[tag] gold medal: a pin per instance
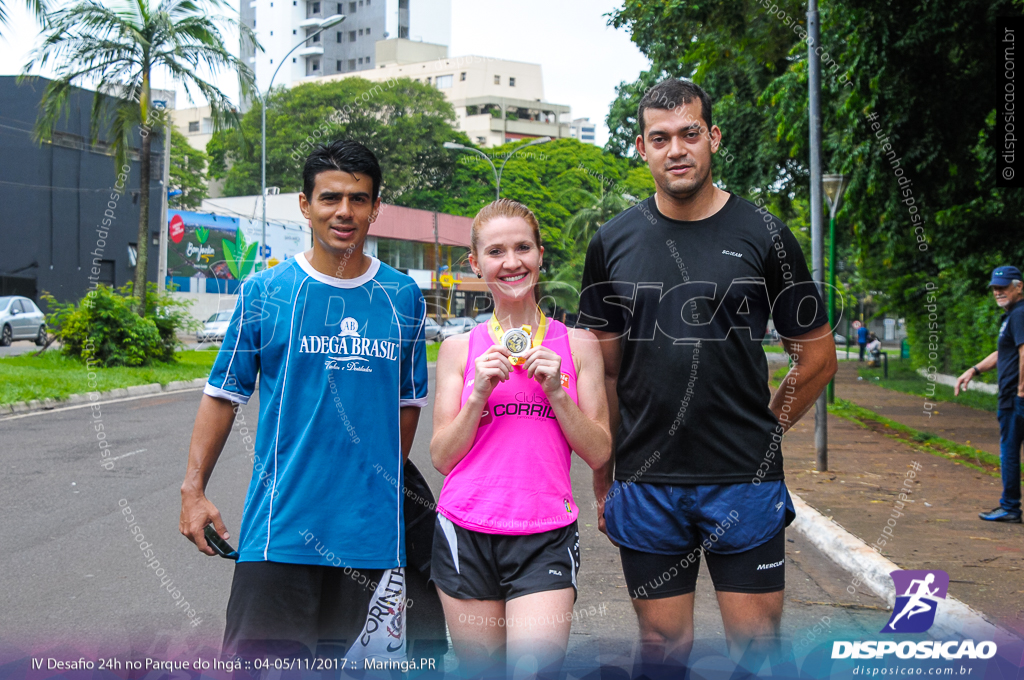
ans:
(517, 340)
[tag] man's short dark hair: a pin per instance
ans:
(343, 154)
(673, 93)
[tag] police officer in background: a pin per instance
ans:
(1008, 359)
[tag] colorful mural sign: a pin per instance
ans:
(216, 246)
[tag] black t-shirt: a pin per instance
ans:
(1011, 336)
(691, 301)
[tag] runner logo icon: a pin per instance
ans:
(914, 610)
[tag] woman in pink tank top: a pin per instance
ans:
(511, 407)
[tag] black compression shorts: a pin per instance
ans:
(759, 570)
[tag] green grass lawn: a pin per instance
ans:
(777, 375)
(56, 376)
(903, 378)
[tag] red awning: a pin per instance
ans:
(409, 224)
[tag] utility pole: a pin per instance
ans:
(437, 271)
(817, 243)
(161, 269)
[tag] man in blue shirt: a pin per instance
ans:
(335, 339)
(1008, 359)
(862, 340)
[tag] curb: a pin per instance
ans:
(975, 386)
(953, 618)
(19, 407)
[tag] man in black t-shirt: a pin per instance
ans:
(680, 289)
(1008, 360)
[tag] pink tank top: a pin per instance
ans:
(515, 478)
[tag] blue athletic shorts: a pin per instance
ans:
(724, 519)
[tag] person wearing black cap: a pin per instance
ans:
(1008, 358)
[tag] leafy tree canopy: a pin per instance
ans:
(188, 173)
(403, 122)
(908, 108)
(555, 180)
(116, 48)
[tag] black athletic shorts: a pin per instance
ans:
(299, 610)
(470, 565)
(759, 570)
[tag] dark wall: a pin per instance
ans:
(53, 197)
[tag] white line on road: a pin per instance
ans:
(124, 456)
(107, 401)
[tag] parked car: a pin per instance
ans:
(840, 339)
(456, 325)
(215, 328)
(431, 330)
(20, 319)
(483, 317)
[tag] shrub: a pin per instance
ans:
(963, 332)
(103, 328)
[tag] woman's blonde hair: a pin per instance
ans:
(503, 207)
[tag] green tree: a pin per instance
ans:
(188, 173)
(118, 49)
(904, 77)
(555, 180)
(403, 122)
(562, 286)
(599, 208)
(733, 49)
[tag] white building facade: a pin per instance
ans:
(496, 100)
(343, 48)
(583, 130)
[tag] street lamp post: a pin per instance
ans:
(330, 21)
(834, 186)
(497, 171)
(814, 116)
(497, 187)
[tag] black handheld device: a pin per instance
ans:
(219, 545)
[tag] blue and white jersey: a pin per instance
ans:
(336, 359)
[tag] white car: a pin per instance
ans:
(20, 319)
(456, 325)
(216, 327)
(431, 330)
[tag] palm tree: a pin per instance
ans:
(118, 48)
(38, 9)
(562, 285)
(599, 208)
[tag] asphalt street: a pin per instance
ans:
(17, 348)
(73, 577)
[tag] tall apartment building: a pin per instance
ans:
(344, 48)
(496, 100)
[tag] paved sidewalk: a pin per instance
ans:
(960, 424)
(939, 528)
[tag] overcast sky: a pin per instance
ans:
(581, 57)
